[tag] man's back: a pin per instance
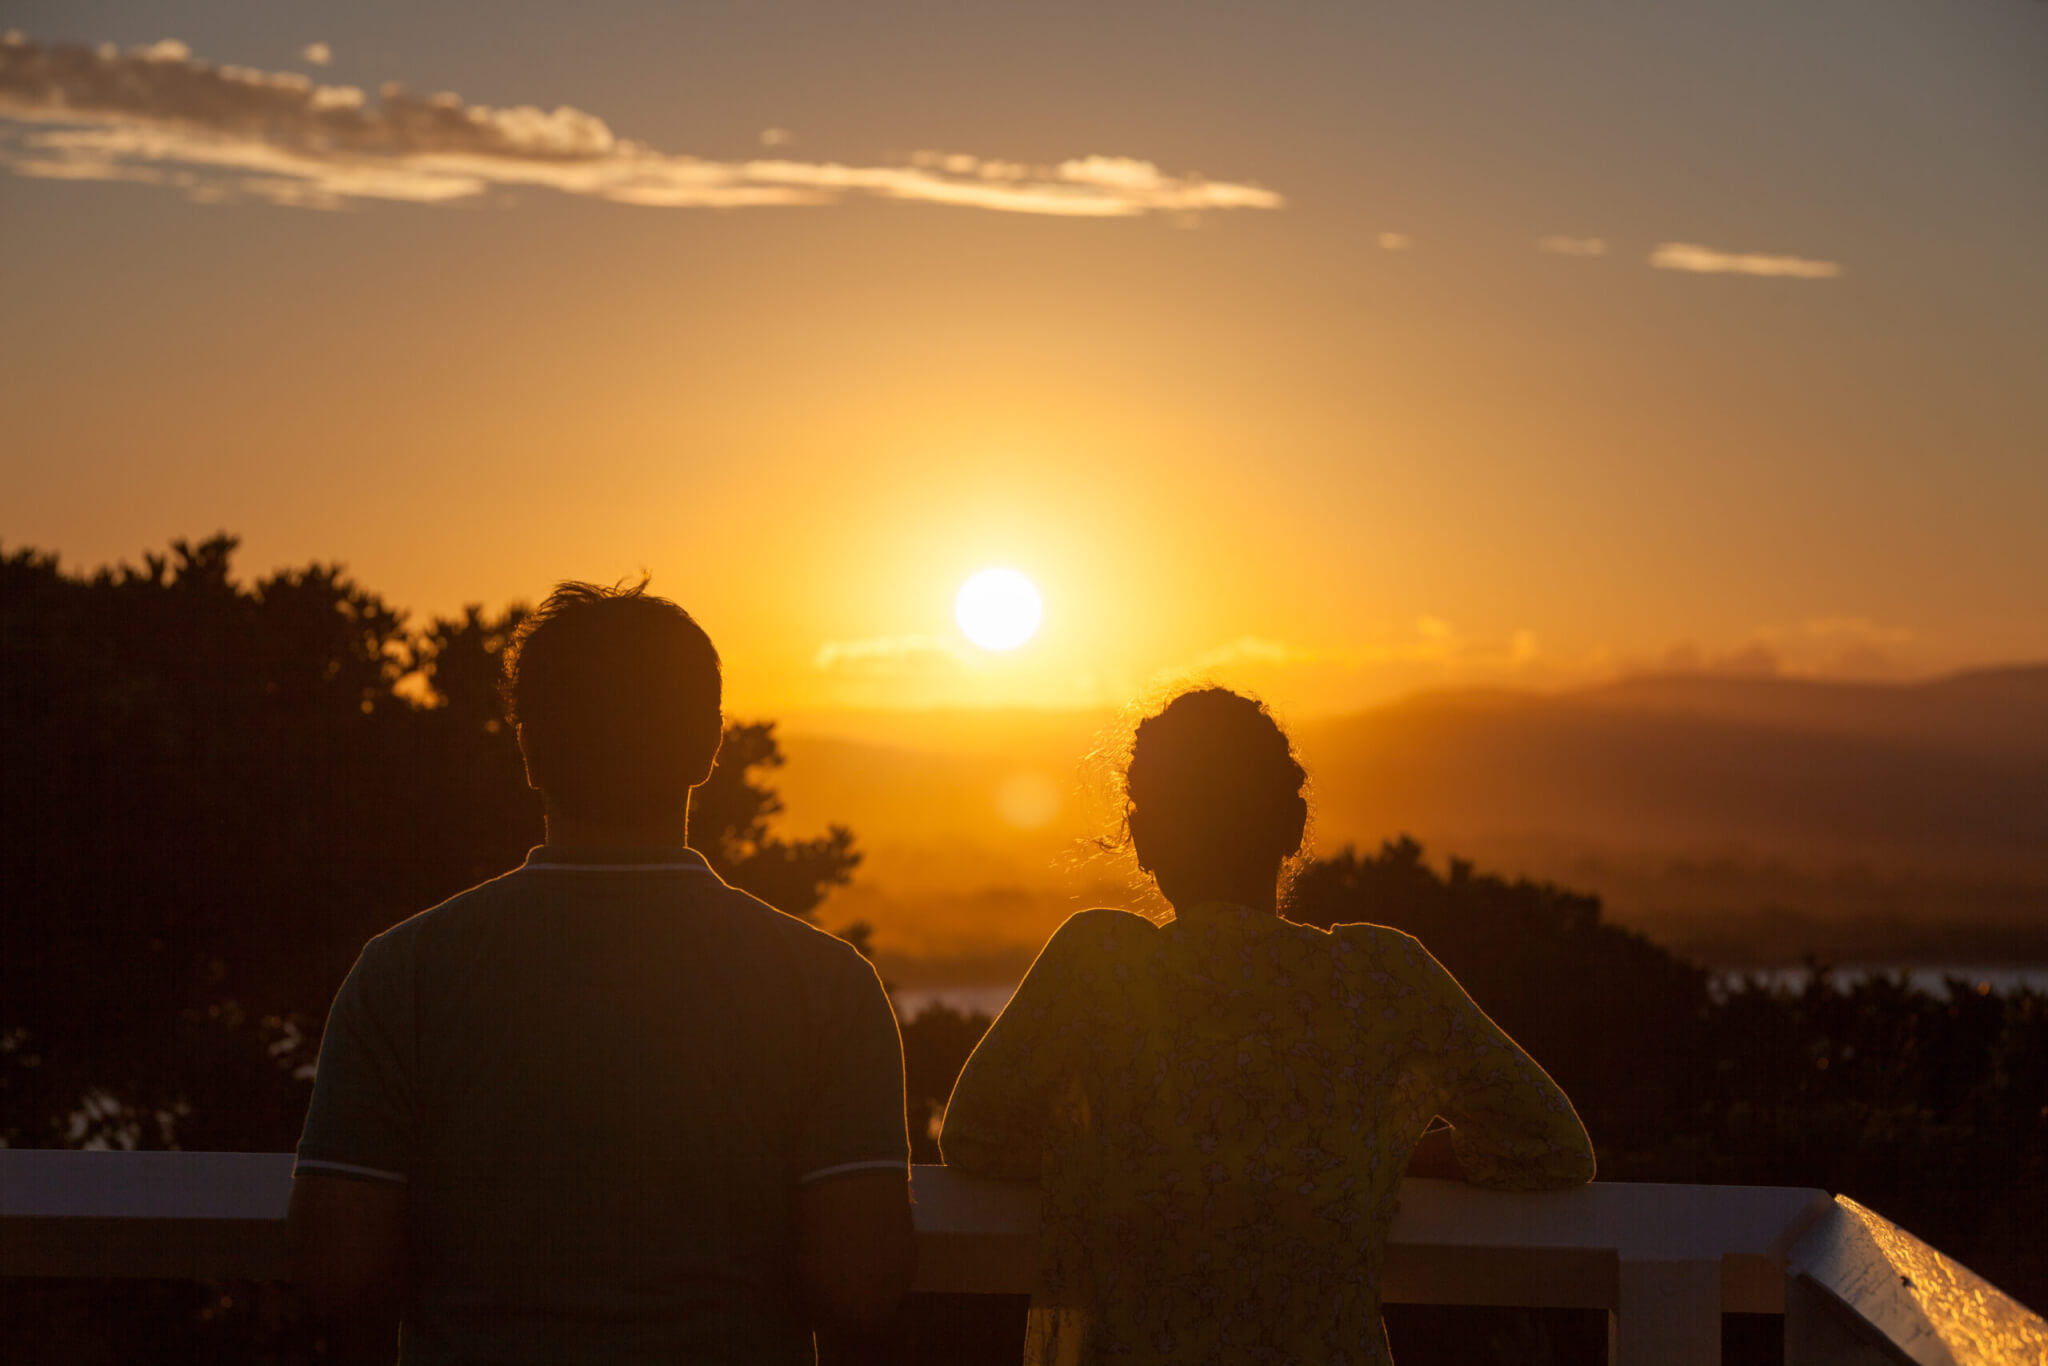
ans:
(604, 1082)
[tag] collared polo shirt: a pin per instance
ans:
(603, 1079)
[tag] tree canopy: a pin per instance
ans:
(217, 790)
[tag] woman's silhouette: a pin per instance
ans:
(1221, 1109)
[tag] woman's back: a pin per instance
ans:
(1221, 1111)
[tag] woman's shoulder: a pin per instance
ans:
(1380, 949)
(1088, 941)
(1104, 927)
(1087, 948)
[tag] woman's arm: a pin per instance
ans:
(995, 1120)
(1512, 1126)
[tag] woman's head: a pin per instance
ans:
(1213, 796)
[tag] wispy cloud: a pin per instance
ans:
(884, 655)
(1430, 640)
(1690, 256)
(1573, 246)
(1818, 647)
(155, 114)
(1257, 650)
(318, 54)
(1394, 241)
(1846, 646)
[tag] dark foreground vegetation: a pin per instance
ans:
(215, 791)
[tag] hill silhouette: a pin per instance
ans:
(1949, 776)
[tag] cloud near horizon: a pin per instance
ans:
(886, 655)
(1572, 246)
(1838, 647)
(1699, 260)
(1431, 641)
(156, 115)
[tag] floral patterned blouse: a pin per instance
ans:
(1220, 1111)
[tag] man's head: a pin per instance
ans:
(616, 696)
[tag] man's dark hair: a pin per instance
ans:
(617, 696)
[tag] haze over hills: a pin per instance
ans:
(1949, 776)
(1749, 819)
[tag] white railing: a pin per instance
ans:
(1665, 1261)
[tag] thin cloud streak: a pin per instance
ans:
(156, 115)
(1690, 256)
(1432, 640)
(883, 656)
(1572, 246)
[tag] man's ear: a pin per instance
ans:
(717, 738)
(525, 757)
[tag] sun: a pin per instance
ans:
(998, 609)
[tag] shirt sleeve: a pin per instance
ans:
(361, 1122)
(1512, 1126)
(995, 1121)
(856, 1121)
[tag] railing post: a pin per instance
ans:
(1667, 1313)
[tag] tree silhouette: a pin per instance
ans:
(729, 819)
(215, 792)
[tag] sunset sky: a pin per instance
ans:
(1341, 349)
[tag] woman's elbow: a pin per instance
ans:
(1556, 1168)
(1562, 1170)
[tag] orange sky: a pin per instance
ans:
(1340, 418)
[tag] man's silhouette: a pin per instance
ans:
(605, 1107)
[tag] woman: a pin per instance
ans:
(1221, 1109)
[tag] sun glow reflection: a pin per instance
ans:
(998, 609)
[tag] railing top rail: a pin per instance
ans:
(985, 1230)
(52, 1183)
(1632, 1219)
(1669, 1259)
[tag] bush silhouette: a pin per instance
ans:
(217, 791)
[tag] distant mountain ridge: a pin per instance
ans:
(1948, 775)
(2002, 710)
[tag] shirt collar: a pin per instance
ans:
(674, 858)
(1216, 914)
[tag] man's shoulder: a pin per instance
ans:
(737, 917)
(797, 934)
(404, 936)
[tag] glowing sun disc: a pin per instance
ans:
(998, 609)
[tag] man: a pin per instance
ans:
(606, 1107)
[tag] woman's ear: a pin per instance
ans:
(1140, 832)
(1293, 825)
